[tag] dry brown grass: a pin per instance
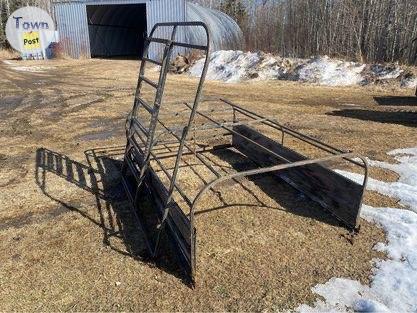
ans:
(6, 54)
(64, 246)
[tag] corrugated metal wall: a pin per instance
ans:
(165, 11)
(71, 19)
(225, 32)
(72, 24)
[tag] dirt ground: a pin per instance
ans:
(67, 239)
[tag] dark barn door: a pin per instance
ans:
(117, 30)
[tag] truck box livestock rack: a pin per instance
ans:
(166, 139)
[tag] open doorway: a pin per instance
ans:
(117, 30)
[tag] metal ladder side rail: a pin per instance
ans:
(137, 102)
(155, 112)
(129, 121)
(145, 59)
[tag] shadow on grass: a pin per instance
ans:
(398, 117)
(102, 178)
(396, 101)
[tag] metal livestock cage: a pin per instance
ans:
(162, 138)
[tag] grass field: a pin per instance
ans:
(67, 242)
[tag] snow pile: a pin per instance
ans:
(409, 81)
(234, 66)
(386, 72)
(326, 71)
(393, 287)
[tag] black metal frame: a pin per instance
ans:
(148, 144)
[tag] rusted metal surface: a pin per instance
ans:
(162, 204)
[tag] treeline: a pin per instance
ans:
(361, 30)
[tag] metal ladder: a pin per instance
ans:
(138, 153)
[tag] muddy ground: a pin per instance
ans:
(68, 241)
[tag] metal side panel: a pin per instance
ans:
(149, 209)
(178, 225)
(337, 194)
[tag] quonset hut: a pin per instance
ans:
(111, 28)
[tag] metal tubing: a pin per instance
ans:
(247, 139)
(285, 128)
(189, 148)
(273, 169)
(294, 133)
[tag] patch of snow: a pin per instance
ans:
(386, 72)
(409, 82)
(393, 286)
(405, 189)
(235, 66)
(32, 69)
(228, 66)
(326, 71)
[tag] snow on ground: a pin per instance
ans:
(326, 71)
(235, 66)
(33, 68)
(393, 287)
(405, 189)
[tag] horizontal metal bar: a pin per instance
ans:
(135, 150)
(137, 124)
(189, 148)
(191, 46)
(171, 24)
(145, 105)
(185, 111)
(305, 138)
(178, 188)
(159, 40)
(244, 137)
(168, 154)
(282, 127)
(152, 61)
(149, 82)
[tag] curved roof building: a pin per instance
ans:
(110, 28)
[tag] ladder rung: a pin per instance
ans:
(135, 145)
(160, 40)
(137, 124)
(149, 82)
(146, 105)
(152, 61)
(187, 45)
